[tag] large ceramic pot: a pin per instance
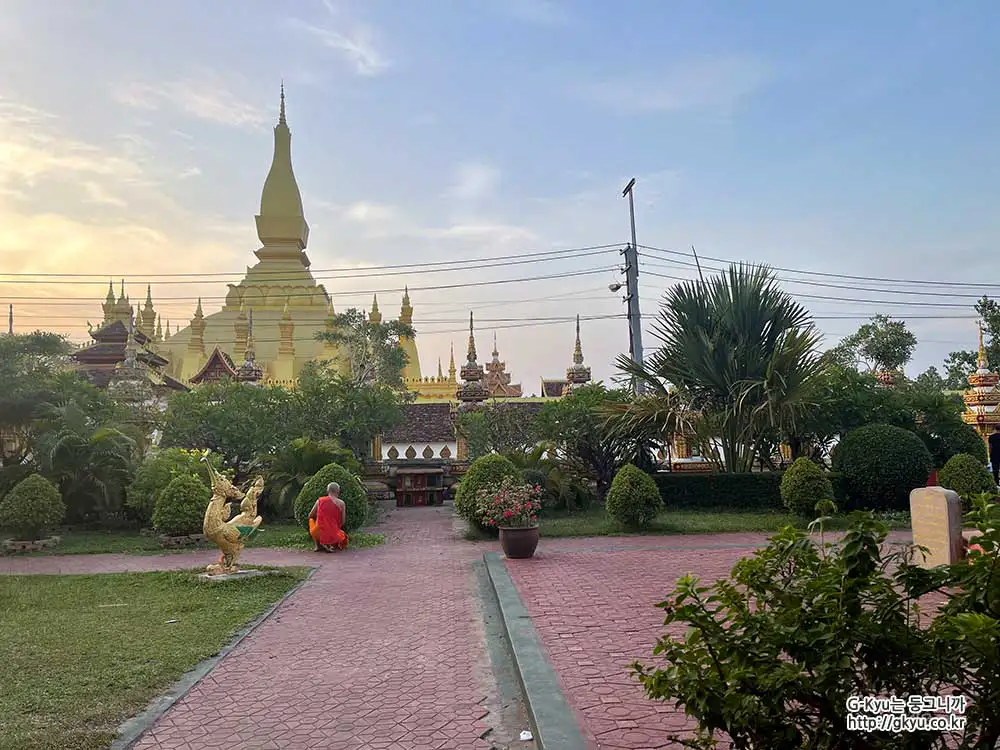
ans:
(519, 544)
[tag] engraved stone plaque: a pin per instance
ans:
(936, 520)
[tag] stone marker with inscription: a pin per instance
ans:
(936, 520)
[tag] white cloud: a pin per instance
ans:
(358, 46)
(474, 181)
(206, 96)
(708, 83)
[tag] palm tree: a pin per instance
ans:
(91, 463)
(741, 356)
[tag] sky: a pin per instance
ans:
(848, 138)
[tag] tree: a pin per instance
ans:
(236, 420)
(960, 364)
(742, 357)
(930, 380)
(91, 463)
(373, 350)
(883, 344)
(584, 442)
(496, 427)
(341, 408)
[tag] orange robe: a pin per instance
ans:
(326, 530)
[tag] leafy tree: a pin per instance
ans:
(742, 356)
(236, 420)
(930, 380)
(372, 350)
(91, 463)
(583, 439)
(633, 498)
(158, 470)
(957, 367)
(496, 427)
(330, 406)
(293, 465)
(883, 344)
(960, 364)
(563, 489)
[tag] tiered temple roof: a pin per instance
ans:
(98, 362)
(497, 379)
(473, 390)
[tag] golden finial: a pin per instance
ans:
(578, 350)
(451, 362)
(406, 295)
(281, 109)
(111, 291)
(149, 295)
(159, 329)
(375, 304)
(166, 333)
(198, 312)
(981, 362)
(440, 371)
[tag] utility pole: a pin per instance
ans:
(631, 254)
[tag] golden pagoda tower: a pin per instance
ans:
(241, 327)
(284, 370)
(982, 399)
(158, 334)
(578, 373)
(194, 355)
(375, 317)
(411, 371)
(147, 318)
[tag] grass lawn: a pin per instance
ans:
(595, 522)
(284, 535)
(83, 653)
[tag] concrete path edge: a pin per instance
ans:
(555, 723)
(131, 730)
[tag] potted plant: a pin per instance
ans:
(512, 507)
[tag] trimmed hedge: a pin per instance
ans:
(633, 499)
(32, 507)
(966, 475)
(180, 508)
(881, 464)
(352, 492)
(158, 470)
(755, 491)
(804, 485)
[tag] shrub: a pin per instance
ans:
(510, 505)
(968, 476)
(961, 438)
(803, 485)
(485, 472)
(352, 492)
(880, 464)
(180, 508)
(32, 507)
(633, 499)
(157, 471)
(756, 491)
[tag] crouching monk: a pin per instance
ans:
(326, 521)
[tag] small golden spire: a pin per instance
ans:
(578, 349)
(375, 316)
(496, 353)
(159, 329)
(111, 292)
(375, 303)
(149, 295)
(166, 333)
(472, 341)
(440, 371)
(981, 363)
(198, 312)
(281, 108)
(122, 297)
(406, 294)
(451, 363)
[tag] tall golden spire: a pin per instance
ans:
(147, 318)
(196, 343)
(472, 343)
(166, 333)
(451, 364)
(440, 371)
(375, 316)
(158, 335)
(577, 349)
(981, 361)
(281, 224)
(578, 373)
(406, 310)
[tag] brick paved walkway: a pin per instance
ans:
(592, 603)
(381, 648)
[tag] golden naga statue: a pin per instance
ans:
(230, 536)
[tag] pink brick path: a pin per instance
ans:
(592, 603)
(381, 648)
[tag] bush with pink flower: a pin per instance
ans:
(510, 504)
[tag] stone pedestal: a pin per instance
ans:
(936, 520)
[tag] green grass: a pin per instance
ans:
(595, 522)
(280, 535)
(83, 653)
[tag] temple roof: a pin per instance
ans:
(218, 361)
(118, 332)
(427, 423)
(553, 388)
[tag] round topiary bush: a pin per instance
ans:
(180, 509)
(157, 471)
(483, 473)
(352, 492)
(966, 475)
(880, 464)
(32, 507)
(633, 499)
(803, 485)
(961, 438)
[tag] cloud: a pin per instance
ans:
(358, 46)
(204, 97)
(538, 12)
(708, 83)
(474, 181)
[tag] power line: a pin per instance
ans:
(343, 272)
(924, 282)
(396, 290)
(828, 285)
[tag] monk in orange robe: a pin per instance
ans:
(326, 521)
